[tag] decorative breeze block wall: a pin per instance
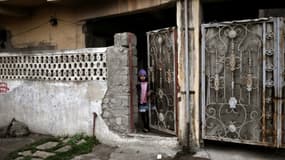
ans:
(81, 65)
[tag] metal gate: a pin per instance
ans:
(162, 75)
(243, 82)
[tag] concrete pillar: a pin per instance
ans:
(189, 138)
(120, 100)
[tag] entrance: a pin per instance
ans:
(162, 68)
(243, 82)
(100, 32)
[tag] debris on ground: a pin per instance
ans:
(14, 129)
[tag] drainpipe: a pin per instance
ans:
(131, 84)
(186, 47)
(94, 122)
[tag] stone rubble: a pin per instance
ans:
(43, 154)
(17, 129)
(63, 149)
(47, 145)
(81, 142)
(66, 140)
(25, 153)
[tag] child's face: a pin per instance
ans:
(142, 78)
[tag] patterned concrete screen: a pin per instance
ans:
(79, 65)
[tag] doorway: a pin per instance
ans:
(100, 32)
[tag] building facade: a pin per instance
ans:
(189, 70)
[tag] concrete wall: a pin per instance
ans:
(66, 107)
(52, 107)
(117, 104)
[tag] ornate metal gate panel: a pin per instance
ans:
(242, 82)
(162, 75)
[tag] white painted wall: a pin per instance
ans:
(52, 107)
(56, 108)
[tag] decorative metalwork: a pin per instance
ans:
(269, 52)
(233, 102)
(161, 63)
(217, 82)
(236, 64)
(249, 108)
(79, 65)
(249, 82)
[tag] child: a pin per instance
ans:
(142, 90)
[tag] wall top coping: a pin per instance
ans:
(56, 52)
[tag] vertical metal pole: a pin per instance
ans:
(175, 72)
(281, 82)
(264, 128)
(94, 122)
(131, 74)
(277, 79)
(203, 89)
(186, 47)
(149, 68)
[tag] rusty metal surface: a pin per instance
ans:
(162, 74)
(241, 66)
(282, 82)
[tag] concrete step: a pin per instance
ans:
(149, 139)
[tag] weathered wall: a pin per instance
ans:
(181, 76)
(113, 7)
(52, 107)
(66, 107)
(194, 25)
(35, 30)
(117, 101)
(191, 137)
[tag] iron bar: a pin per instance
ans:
(263, 83)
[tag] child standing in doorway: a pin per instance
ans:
(142, 90)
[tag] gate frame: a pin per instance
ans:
(277, 75)
(175, 78)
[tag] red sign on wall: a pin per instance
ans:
(4, 87)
